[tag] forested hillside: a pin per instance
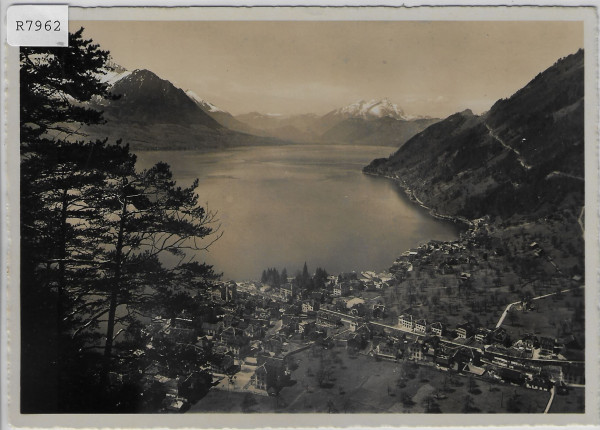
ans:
(523, 158)
(520, 165)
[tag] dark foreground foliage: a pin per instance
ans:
(93, 233)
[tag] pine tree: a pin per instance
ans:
(305, 274)
(54, 82)
(320, 278)
(151, 216)
(58, 179)
(276, 281)
(93, 231)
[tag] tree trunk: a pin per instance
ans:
(61, 354)
(62, 255)
(116, 285)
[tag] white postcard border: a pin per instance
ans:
(10, 184)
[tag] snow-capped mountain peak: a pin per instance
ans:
(114, 73)
(377, 108)
(204, 105)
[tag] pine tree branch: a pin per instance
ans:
(92, 320)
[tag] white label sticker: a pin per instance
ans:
(38, 25)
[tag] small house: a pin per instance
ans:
(482, 335)
(443, 361)
(511, 376)
(406, 322)
(546, 345)
(530, 341)
(221, 363)
(437, 328)
(421, 326)
(539, 382)
(212, 329)
(464, 331)
(415, 351)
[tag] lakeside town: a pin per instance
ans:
(445, 326)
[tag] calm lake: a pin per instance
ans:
(280, 206)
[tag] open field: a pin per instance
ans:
(552, 317)
(573, 402)
(218, 401)
(363, 385)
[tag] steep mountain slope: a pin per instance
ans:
(206, 106)
(147, 98)
(152, 113)
(223, 117)
(524, 158)
(515, 174)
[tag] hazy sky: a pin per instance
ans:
(427, 68)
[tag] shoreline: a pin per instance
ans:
(283, 144)
(413, 198)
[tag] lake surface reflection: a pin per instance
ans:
(280, 206)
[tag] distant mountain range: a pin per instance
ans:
(373, 109)
(378, 122)
(152, 113)
(525, 157)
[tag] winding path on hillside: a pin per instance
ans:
(565, 175)
(506, 146)
(581, 221)
(503, 316)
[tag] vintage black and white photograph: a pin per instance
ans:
(304, 216)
